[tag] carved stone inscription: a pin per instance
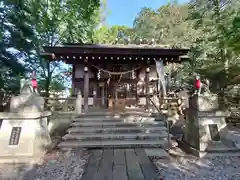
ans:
(214, 132)
(1, 123)
(15, 136)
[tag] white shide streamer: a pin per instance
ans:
(161, 79)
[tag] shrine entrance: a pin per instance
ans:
(115, 76)
(118, 97)
(122, 95)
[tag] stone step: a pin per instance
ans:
(111, 143)
(143, 114)
(115, 129)
(100, 113)
(117, 136)
(116, 124)
(116, 119)
(97, 120)
(112, 115)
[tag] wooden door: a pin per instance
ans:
(119, 97)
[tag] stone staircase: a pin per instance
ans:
(121, 130)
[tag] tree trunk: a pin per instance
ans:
(1, 101)
(47, 84)
(226, 69)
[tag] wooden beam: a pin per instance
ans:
(116, 51)
(121, 60)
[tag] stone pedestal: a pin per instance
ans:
(24, 132)
(205, 123)
(23, 135)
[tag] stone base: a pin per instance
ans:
(214, 148)
(205, 123)
(23, 136)
(156, 152)
(19, 159)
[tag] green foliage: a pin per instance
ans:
(57, 83)
(15, 42)
(28, 25)
(234, 34)
(108, 35)
(211, 29)
(59, 22)
(214, 57)
(168, 25)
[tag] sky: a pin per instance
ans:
(123, 12)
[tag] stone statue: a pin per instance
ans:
(28, 100)
(198, 85)
(26, 87)
(22, 82)
(205, 86)
(202, 86)
(29, 87)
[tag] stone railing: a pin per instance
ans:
(60, 104)
(234, 117)
(231, 103)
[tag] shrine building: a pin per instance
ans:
(114, 76)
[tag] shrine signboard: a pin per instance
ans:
(15, 136)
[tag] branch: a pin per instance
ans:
(60, 38)
(53, 69)
(42, 66)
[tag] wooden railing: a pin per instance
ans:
(165, 119)
(60, 104)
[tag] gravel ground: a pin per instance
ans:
(54, 166)
(209, 168)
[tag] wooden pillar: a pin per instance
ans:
(86, 88)
(94, 94)
(106, 95)
(147, 87)
(102, 95)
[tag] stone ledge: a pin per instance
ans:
(212, 114)
(25, 116)
(19, 159)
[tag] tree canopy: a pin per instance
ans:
(27, 25)
(211, 29)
